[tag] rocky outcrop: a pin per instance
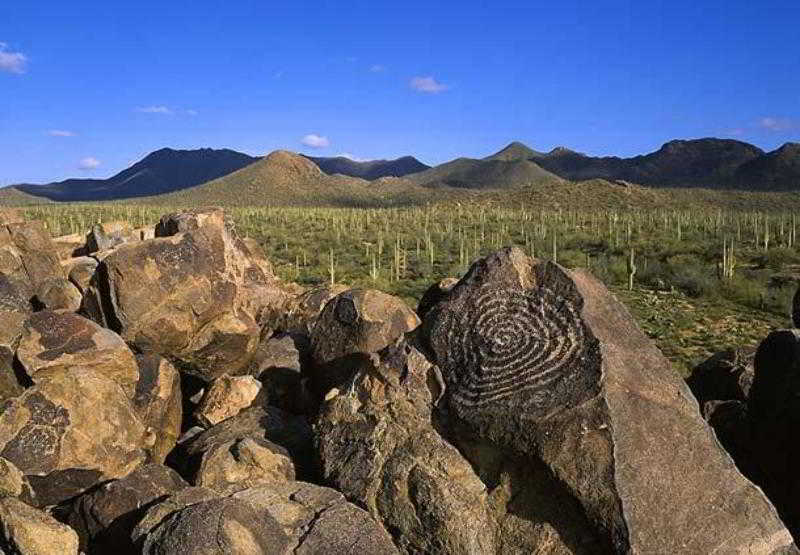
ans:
(192, 294)
(54, 342)
(29, 531)
(546, 364)
(378, 447)
(71, 431)
(28, 257)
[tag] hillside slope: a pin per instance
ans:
(469, 173)
(159, 172)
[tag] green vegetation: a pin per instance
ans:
(701, 281)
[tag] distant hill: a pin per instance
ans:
(507, 169)
(371, 169)
(711, 163)
(159, 172)
(515, 151)
(284, 177)
(778, 170)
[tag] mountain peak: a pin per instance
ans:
(515, 151)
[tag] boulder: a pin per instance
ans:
(29, 531)
(69, 246)
(157, 403)
(12, 381)
(80, 271)
(225, 397)
(545, 364)
(219, 526)
(319, 520)
(71, 431)
(773, 409)
(158, 511)
(191, 294)
(378, 447)
(58, 293)
(732, 426)
(105, 517)
(12, 298)
(303, 310)
(725, 376)
(242, 463)
(104, 236)
(291, 432)
(13, 482)
(278, 366)
(27, 256)
(434, 294)
(56, 341)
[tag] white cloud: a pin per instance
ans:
(60, 133)
(88, 163)
(315, 141)
(155, 110)
(191, 112)
(377, 68)
(776, 124)
(13, 62)
(427, 85)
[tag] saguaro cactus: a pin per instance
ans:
(631, 270)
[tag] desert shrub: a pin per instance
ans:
(776, 259)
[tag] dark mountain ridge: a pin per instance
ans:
(369, 169)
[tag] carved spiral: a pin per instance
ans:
(503, 341)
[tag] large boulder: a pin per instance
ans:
(28, 256)
(158, 404)
(379, 448)
(318, 519)
(167, 505)
(773, 410)
(71, 431)
(56, 341)
(192, 294)
(725, 376)
(57, 293)
(29, 531)
(80, 270)
(278, 364)
(216, 527)
(545, 364)
(11, 382)
(104, 236)
(105, 517)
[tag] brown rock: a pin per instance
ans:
(69, 432)
(104, 236)
(303, 310)
(27, 256)
(105, 517)
(278, 366)
(11, 324)
(52, 342)
(13, 482)
(70, 246)
(725, 376)
(523, 346)
(10, 216)
(435, 294)
(379, 448)
(58, 293)
(218, 526)
(29, 531)
(243, 463)
(190, 294)
(80, 271)
(225, 397)
(157, 403)
(157, 512)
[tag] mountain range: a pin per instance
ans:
(709, 163)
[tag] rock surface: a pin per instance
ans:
(105, 517)
(193, 294)
(379, 448)
(725, 376)
(69, 432)
(29, 531)
(523, 346)
(28, 256)
(58, 293)
(243, 462)
(225, 397)
(158, 404)
(53, 342)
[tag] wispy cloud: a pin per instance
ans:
(155, 110)
(277, 74)
(88, 163)
(776, 124)
(377, 68)
(60, 133)
(315, 141)
(13, 62)
(350, 157)
(191, 112)
(428, 85)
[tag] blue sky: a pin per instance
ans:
(87, 87)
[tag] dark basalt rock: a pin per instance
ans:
(546, 364)
(725, 376)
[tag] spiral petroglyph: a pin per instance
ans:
(504, 341)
